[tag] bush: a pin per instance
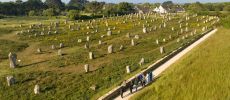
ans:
(225, 22)
(73, 14)
(32, 13)
(49, 12)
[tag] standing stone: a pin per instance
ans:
(157, 41)
(60, 52)
(132, 42)
(87, 45)
(136, 37)
(121, 47)
(128, 69)
(79, 40)
(36, 89)
(86, 68)
(87, 38)
(91, 56)
(13, 60)
(142, 62)
(178, 40)
(162, 50)
(39, 50)
(99, 42)
(144, 30)
(53, 47)
(10, 80)
(110, 49)
(128, 35)
(164, 40)
(61, 45)
(109, 33)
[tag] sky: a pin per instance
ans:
(142, 1)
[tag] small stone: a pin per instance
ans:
(10, 80)
(39, 50)
(61, 45)
(142, 62)
(60, 52)
(110, 49)
(132, 42)
(36, 89)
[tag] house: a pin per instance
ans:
(161, 10)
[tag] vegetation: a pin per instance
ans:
(192, 77)
(64, 77)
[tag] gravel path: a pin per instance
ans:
(167, 64)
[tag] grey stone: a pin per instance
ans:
(13, 60)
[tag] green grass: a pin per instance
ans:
(7, 46)
(64, 77)
(202, 74)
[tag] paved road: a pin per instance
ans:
(167, 64)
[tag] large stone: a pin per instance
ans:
(10, 80)
(133, 42)
(39, 50)
(128, 69)
(162, 50)
(60, 52)
(121, 47)
(109, 33)
(144, 30)
(91, 56)
(110, 49)
(13, 60)
(142, 61)
(36, 89)
(86, 66)
(53, 47)
(157, 41)
(61, 45)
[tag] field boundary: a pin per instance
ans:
(115, 92)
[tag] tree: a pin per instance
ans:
(125, 8)
(110, 9)
(49, 12)
(226, 8)
(167, 4)
(32, 13)
(196, 7)
(36, 5)
(55, 4)
(73, 14)
(94, 7)
(77, 4)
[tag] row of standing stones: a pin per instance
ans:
(13, 57)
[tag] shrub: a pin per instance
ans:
(32, 13)
(73, 14)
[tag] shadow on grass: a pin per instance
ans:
(20, 66)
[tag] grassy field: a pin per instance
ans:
(203, 74)
(63, 77)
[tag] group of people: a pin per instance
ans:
(140, 80)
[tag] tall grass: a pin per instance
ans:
(202, 74)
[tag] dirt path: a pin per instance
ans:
(167, 64)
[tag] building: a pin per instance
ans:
(161, 10)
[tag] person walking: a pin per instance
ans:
(122, 89)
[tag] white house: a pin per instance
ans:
(160, 9)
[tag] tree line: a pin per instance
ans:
(74, 8)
